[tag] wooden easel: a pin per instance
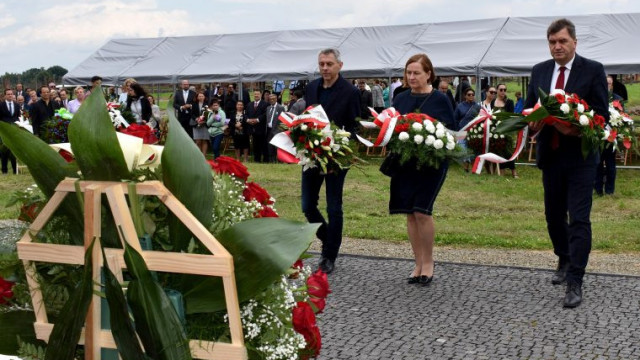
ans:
(219, 264)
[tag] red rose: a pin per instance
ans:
(5, 291)
(227, 165)
(253, 191)
(302, 139)
(560, 98)
(599, 120)
(304, 322)
(266, 211)
(586, 106)
(318, 285)
(319, 304)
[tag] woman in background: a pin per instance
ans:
(138, 104)
(199, 123)
(238, 126)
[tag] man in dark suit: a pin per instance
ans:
(182, 103)
(567, 177)
(257, 120)
(366, 100)
(42, 110)
(9, 113)
(341, 102)
(273, 125)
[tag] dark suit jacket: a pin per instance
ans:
(40, 113)
(5, 114)
(366, 101)
(179, 100)
(588, 80)
(259, 112)
(275, 126)
(342, 104)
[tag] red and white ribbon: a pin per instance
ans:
(313, 115)
(485, 116)
(386, 121)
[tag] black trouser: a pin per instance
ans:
(606, 174)
(184, 121)
(260, 151)
(568, 189)
(7, 156)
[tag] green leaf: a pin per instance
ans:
(121, 326)
(188, 176)
(263, 250)
(156, 320)
(94, 142)
(66, 331)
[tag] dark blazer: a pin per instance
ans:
(5, 114)
(342, 104)
(40, 113)
(179, 100)
(508, 105)
(232, 125)
(144, 104)
(259, 112)
(588, 80)
(366, 101)
(197, 110)
(275, 127)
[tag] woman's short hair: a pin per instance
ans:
(427, 66)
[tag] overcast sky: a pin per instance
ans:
(42, 33)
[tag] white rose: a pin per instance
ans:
(565, 108)
(501, 136)
(418, 139)
(416, 126)
(438, 144)
(580, 108)
(440, 133)
(429, 127)
(584, 120)
(449, 137)
(303, 127)
(430, 140)
(439, 126)
(451, 145)
(316, 142)
(591, 113)
(496, 136)
(403, 136)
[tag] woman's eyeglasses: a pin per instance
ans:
(501, 90)
(493, 92)
(471, 94)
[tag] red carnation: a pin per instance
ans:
(560, 98)
(302, 139)
(318, 285)
(599, 120)
(586, 106)
(253, 191)
(612, 135)
(319, 304)
(231, 166)
(266, 211)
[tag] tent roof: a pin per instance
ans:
(494, 47)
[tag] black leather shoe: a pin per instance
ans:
(326, 265)
(560, 276)
(573, 296)
(413, 279)
(425, 280)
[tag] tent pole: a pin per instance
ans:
(478, 84)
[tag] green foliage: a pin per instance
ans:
(188, 176)
(29, 351)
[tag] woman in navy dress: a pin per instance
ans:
(413, 190)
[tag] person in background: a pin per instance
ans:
(74, 104)
(606, 172)
(461, 89)
(42, 110)
(503, 103)
(464, 113)
(9, 113)
(21, 104)
(413, 190)
(366, 100)
(183, 103)
(519, 106)
(489, 97)
(138, 104)
(298, 106)
(156, 118)
(199, 123)
(443, 87)
(64, 98)
(273, 125)
(217, 122)
(619, 88)
(257, 127)
(238, 128)
(385, 94)
(376, 95)
(122, 99)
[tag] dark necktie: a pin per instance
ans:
(555, 138)
(11, 108)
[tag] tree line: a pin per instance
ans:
(34, 77)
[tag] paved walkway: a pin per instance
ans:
(474, 312)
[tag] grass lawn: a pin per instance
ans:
(471, 210)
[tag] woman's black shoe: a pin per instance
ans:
(413, 280)
(425, 280)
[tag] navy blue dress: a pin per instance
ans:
(412, 189)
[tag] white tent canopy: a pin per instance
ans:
(488, 47)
